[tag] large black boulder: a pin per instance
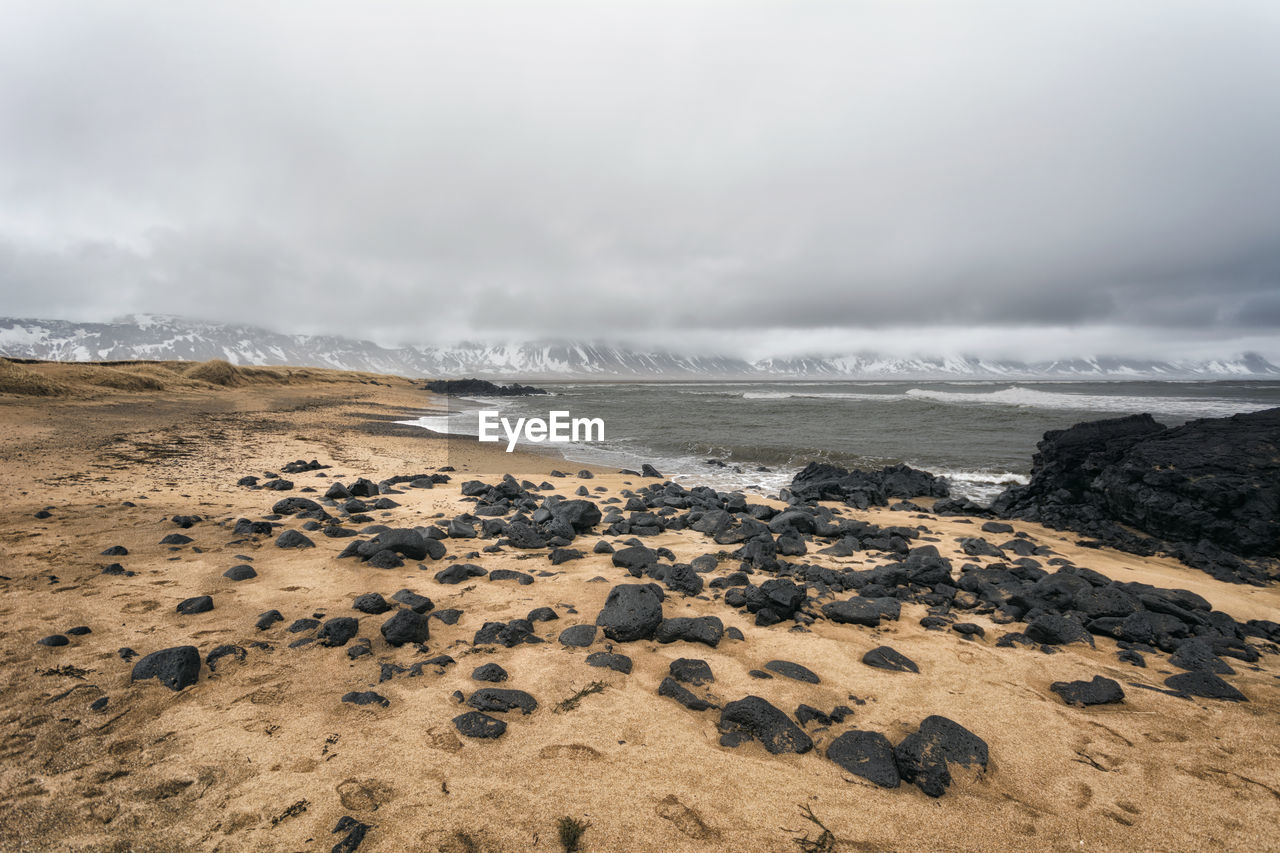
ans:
(820, 481)
(866, 754)
(631, 612)
(406, 626)
(406, 542)
(924, 755)
(176, 668)
(581, 515)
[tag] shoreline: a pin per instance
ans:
(224, 763)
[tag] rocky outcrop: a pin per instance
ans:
(822, 482)
(481, 388)
(1207, 492)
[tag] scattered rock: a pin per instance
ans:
(672, 690)
(631, 612)
(242, 572)
(754, 717)
(338, 631)
(793, 670)
(578, 636)
(1099, 691)
(866, 754)
(474, 724)
(367, 697)
(176, 668)
(502, 699)
(293, 539)
(924, 756)
(883, 657)
(1205, 685)
(406, 626)
(490, 672)
(691, 671)
(198, 604)
(610, 660)
(372, 603)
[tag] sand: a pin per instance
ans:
(264, 756)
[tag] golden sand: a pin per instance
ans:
(264, 755)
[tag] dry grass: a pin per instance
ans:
(21, 380)
(217, 372)
(87, 379)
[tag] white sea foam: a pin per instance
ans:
(1036, 399)
(1032, 398)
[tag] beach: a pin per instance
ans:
(262, 753)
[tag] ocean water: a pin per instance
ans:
(981, 435)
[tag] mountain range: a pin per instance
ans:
(160, 337)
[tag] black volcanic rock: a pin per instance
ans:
(459, 572)
(610, 660)
(372, 603)
(198, 604)
(502, 699)
(1204, 684)
(406, 626)
(406, 542)
(475, 724)
(290, 506)
(631, 612)
(367, 697)
(480, 388)
(293, 539)
(793, 671)
(1099, 691)
(866, 754)
(883, 657)
(924, 756)
(673, 690)
(581, 515)
(490, 672)
(708, 630)
(578, 636)
(691, 671)
(754, 717)
(820, 481)
(176, 668)
(338, 631)
(1207, 491)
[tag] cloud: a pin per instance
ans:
(697, 171)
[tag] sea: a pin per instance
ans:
(755, 436)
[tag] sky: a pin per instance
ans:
(1007, 178)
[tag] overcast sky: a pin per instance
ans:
(1016, 177)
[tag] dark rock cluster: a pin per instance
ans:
(1207, 492)
(480, 388)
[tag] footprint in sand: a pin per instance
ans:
(687, 820)
(363, 795)
(144, 606)
(569, 750)
(1083, 796)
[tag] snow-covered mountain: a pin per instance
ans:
(153, 337)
